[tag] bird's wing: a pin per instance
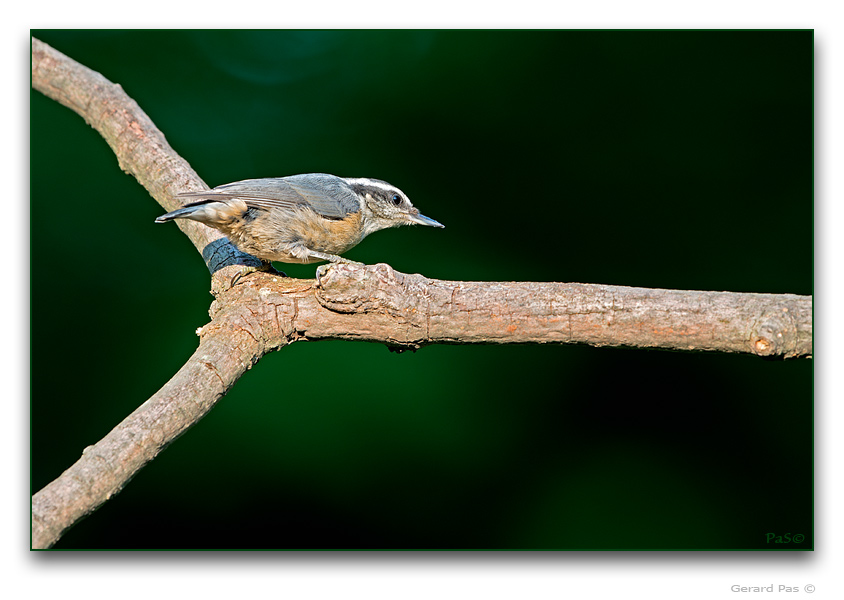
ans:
(327, 195)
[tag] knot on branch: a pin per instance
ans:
(265, 307)
(350, 288)
(774, 334)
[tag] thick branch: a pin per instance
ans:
(376, 303)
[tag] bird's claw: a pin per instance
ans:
(266, 267)
(320, 272)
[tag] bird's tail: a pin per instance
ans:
(210, 211)
(182, 213)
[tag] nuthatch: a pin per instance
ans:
(301, 218)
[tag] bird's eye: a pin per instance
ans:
(396, 199)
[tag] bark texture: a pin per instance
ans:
(411, 310)
(377, 304)
(265, 312)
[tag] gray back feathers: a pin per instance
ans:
(327, 195)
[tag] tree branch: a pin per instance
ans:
(140, 147)
(411, 310)
(373, 303)
(108, 465)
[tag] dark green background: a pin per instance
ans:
(655, 159)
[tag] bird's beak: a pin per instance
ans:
(423, 220)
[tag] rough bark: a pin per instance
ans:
(411, 310)
(374, 303)
(377, 304)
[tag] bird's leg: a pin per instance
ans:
(333, 258)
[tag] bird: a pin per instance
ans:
(305, 218)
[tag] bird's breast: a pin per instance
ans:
(333, 236)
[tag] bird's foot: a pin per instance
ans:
(266, 267)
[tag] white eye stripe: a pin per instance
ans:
(373, 183)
